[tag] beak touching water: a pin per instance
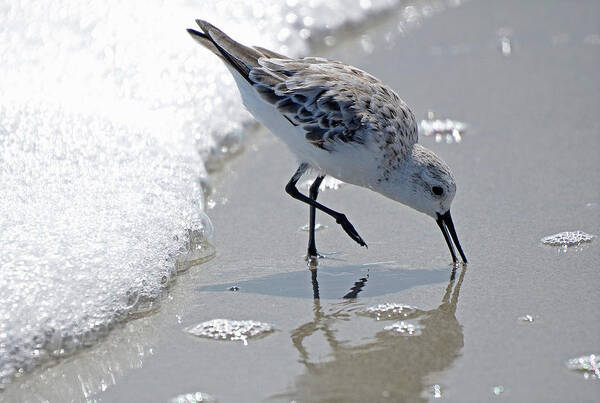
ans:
(444, 221)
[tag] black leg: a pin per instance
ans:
(340, 218)
(313, 193)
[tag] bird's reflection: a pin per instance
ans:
(387, 366)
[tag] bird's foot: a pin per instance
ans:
(312, 258)
(316, 255)
(349, 228)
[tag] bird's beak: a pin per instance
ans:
(444, 221)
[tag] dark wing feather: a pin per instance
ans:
(334, 103)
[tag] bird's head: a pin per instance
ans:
(424, 182)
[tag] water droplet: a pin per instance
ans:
(505, 40)
(225, 329)
(498, 390)
(526, 318)
(505, 46)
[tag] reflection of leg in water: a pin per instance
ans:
(357, 287)
(320, 322)
(446, 301)
(315, 283)
(361, 368)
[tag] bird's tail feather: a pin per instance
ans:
(238, 56)
(205, 41)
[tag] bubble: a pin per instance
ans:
(498, 390)
(437, 391)
(199, 242)
(505, 46)
(234, 330)
(505, 40)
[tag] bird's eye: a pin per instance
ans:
(437, 190)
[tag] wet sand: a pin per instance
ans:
(526, 168)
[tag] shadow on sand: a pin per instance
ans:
(333, 282)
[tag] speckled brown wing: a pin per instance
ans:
(335, 103)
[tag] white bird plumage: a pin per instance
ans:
(340, 121)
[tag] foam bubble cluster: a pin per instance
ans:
(225, 329)
(405, 328)
(588, 364)
(569, 238)
(390, 311)
(195, 397)
(92, 212)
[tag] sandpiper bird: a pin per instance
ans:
(342, 122)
